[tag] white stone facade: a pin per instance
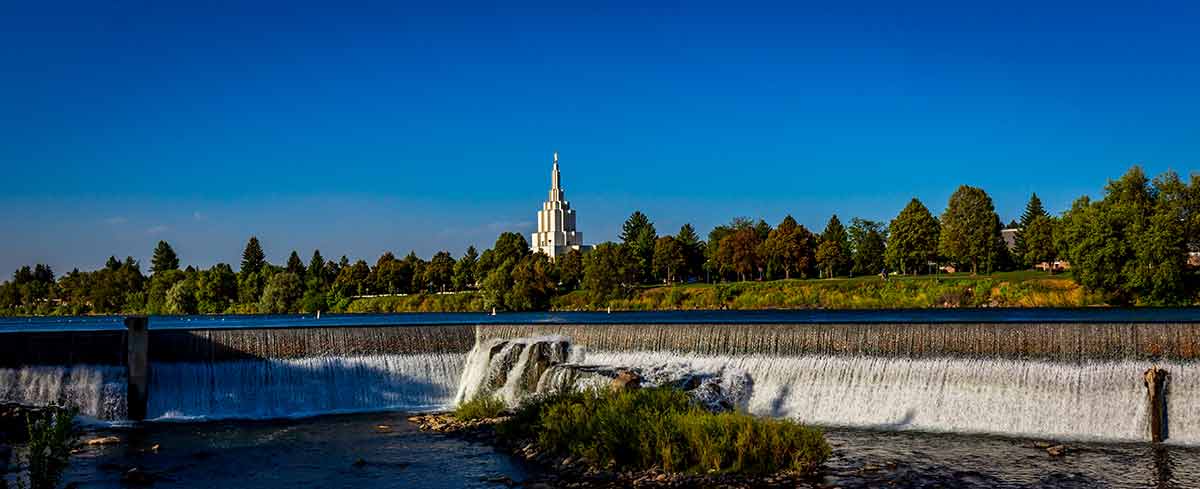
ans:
(556, 234)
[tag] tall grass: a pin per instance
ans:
(664, 428)
(485, 407)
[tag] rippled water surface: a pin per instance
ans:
(315, 452)
(323, 451)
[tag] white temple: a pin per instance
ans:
(556, 234)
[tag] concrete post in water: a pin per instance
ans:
(1155, 379)
(137, 361)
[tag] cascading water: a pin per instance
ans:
(510, 368)
(275, 388)
(97, 390)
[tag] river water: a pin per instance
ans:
(323, 451)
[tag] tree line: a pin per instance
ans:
(1132, 245)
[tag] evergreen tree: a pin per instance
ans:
(969, 228)
(638, 234)
(316, 271)
(833, 254)
(295, 265)
(253, 258)
(913, 238)
(1033, 210)
(164, 258)
(693, 250)
(464, 270)
(1039, 241)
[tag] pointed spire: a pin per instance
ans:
(554, 176)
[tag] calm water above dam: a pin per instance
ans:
(1007, 315)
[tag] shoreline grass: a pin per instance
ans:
(663, 428)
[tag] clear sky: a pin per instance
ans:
(360, 128)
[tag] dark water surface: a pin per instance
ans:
(322, 452)
(290, 454)
(1007, 315)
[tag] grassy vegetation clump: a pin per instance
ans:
(664, 428)
(485, 407)
(52, 437)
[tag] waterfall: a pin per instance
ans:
(510, 368)
(97, 390)
(1102, 400)
(275, 388)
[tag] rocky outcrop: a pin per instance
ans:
(510, 369)
(724, 389)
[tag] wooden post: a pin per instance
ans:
(1155, 379)
(137, 361)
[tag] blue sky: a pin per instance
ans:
(384, 126)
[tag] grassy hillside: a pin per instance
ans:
(1012, 289)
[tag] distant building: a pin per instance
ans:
(1009, 235)
(556, 234)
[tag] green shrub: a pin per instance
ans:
(52, 436)
(664, 428)
(480, 408)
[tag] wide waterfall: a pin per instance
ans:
(1052, 380)
(277, 388)
(97, 390)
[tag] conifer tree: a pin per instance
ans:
(164, 258)
(1033, 210)
(253, 258)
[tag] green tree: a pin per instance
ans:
(912, 239)
(253, 258)
(216, 289)
(181, 298)
(282, 294)
(1132, 244)
(464, 270)
(787, 248)
(669, 258)
(160, 285)
(607, 273)
(164, 258)
(868, 244)
(440, 272)
(569, 269)
(1039, 241)
(317, 273)
(833, 253)
(969, 227)
(693, 250)
(639, 235)
(532, 284)
(1033, 210)
(295, 265)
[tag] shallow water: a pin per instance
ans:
(912, 459)
(322, 451)
(314, 452)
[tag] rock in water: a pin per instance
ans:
(626, 380)
(510, 369)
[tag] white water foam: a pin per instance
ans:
(1094, 400)
(281, 388)
(97, 390)
(482, 366)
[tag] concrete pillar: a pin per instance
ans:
(1155, 379)
(137, 361)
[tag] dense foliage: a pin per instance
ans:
(1131, 247)
(663, 428)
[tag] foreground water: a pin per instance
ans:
(314, 452)
(323, 451)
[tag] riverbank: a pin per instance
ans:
(1028, 289)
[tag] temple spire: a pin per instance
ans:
(554, 176)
